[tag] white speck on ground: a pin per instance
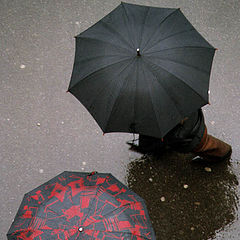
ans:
(207, 169)
(163, 199)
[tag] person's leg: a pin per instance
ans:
(200, 143)
(150, 144)
(213, 149)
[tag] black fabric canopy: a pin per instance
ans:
(141, 69)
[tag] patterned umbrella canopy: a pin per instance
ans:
(76, 205)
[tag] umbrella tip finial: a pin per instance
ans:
(138, 52)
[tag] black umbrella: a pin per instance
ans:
(141, 70)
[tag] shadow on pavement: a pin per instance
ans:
(185, 200)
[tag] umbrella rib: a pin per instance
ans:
(134, 59)
(22, 231)
(91, 38)
(100, 91)
(135, 95)
(19, 215)
(177, 78)
(118, 33)
(96, 57)
(143, 26)
(99, 187)
(153, 105)
(151, 70)
(167, 49)
(43, 205)
(181, 63)
(110, 195)
(29, 227)
(86, 216)
(159, 26)
(126, 17)
(128, 233)
(33, 230)
(103, 86)
(100, 69)
(175, 34)
(124, 205)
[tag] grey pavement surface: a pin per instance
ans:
(45, 130)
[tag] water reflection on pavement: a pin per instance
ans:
(185, 200)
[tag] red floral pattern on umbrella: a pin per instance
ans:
(85, 206)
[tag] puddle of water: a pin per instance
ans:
(185, 200)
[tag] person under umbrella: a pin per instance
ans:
(143, 70)
(190, 135)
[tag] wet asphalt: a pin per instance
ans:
(45, 130)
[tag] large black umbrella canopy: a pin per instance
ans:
(141, 69)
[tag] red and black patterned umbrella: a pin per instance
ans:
(76, 205)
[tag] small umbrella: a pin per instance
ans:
(141, 70)
(76, 205)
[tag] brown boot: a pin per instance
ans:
(213, 149)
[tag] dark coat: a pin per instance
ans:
(183, 138)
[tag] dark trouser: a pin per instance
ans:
(150, 144)
(187, 136)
